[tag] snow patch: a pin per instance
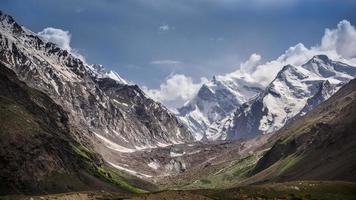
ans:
(154, 165)
(114, 146)
(174, 154)
(130, 171)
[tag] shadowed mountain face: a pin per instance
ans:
(33, 130)
(38, 149)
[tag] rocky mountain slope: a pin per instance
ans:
(317, 146)
(295, 91)
(109, 114)
(215, 101)
(38, 151)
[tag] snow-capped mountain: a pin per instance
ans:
(295, 91)
(215, 101)
(112, 115)
(100, 72)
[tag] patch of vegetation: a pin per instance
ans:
(82, 151)
(114, 176)
(289, 162)
(227, 176)
(104, 172)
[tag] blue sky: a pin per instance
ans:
(148, 40)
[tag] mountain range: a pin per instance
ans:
(69, 126)
(229, 108)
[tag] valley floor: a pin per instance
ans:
(329, 190)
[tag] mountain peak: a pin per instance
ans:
(320, 65)
(288, 71)
(8, 23)
(205, 93)
(286, 68)
(4, 16)
(319, 59)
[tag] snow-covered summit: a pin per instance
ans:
(232, 106)
(216, 100)
(294, 91)
(100, 72)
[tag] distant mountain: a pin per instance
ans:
(294, 92)
(215, 101)
(109, 115)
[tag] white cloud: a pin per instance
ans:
(250, 65)
(57, 36)
(165, 62)
(61, 38)
(165, 28)
(342, 40)
(176, 90)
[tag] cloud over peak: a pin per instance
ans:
(61, 38)
(342, 40)
(176, 90)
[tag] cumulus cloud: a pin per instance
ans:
(342, 40)
(176, 90)
(61, 38)
(165, 62)
(250, 65)
(57, 36)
